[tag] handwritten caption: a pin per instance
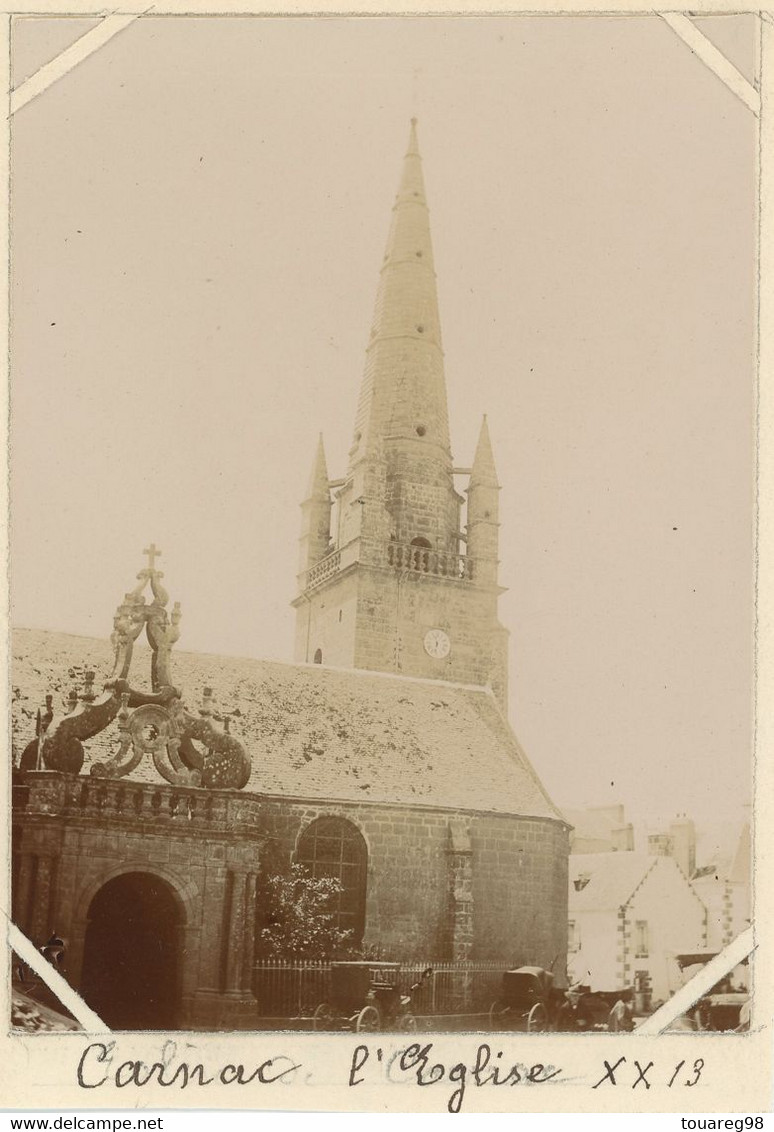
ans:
(368, 1064)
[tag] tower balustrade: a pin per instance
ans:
(424, 560)
(400, 556)
(323, 569)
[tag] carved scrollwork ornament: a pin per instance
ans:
(151, 723)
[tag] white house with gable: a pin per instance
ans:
(630, 914)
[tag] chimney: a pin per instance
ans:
(622, 839)
(683, 837)
(659, 845)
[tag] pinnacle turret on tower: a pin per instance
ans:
(483, 510)
(483, 471)
(318, 480)
(316, 511)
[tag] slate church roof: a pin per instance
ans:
(315, 732)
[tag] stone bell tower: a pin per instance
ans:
(389, 581)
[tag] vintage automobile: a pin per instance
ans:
(366, 997)
(529, 1001)
(724, 1008)
(721, 1012)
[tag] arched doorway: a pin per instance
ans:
(131, 956)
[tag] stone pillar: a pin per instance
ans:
(249, 940)
(220, 995)
(22, 893)
(460, 853)
(76, 942)
(225, 1001)
(233, 941)
(214, 893)
(190, 948)
(40, 928)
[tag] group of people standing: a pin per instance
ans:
(581, 1011)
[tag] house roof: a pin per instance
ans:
(612, 878)
(597, 822)
(740, 870)
(314, 732)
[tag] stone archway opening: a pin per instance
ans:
(131, 972)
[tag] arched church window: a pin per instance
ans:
(420, 557)
(318, 656)
(333, 847)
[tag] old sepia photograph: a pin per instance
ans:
(383, 441)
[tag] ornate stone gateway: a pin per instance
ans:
(187, 750)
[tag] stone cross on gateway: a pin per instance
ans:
(153, 554)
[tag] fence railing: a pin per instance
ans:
(295, 989)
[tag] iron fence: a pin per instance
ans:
(287, 989)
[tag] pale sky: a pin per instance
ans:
(199, 215)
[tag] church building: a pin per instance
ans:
(381, 756)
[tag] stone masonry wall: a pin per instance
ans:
(327, 622)
(520, 875)
(395, 610)
(376, 618)
(518, 868)
(420, 495)
(407, 907)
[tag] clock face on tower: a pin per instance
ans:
(437, 644)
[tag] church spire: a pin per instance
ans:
(403, 394)
(413, 145)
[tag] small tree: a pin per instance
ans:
(301, 917)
